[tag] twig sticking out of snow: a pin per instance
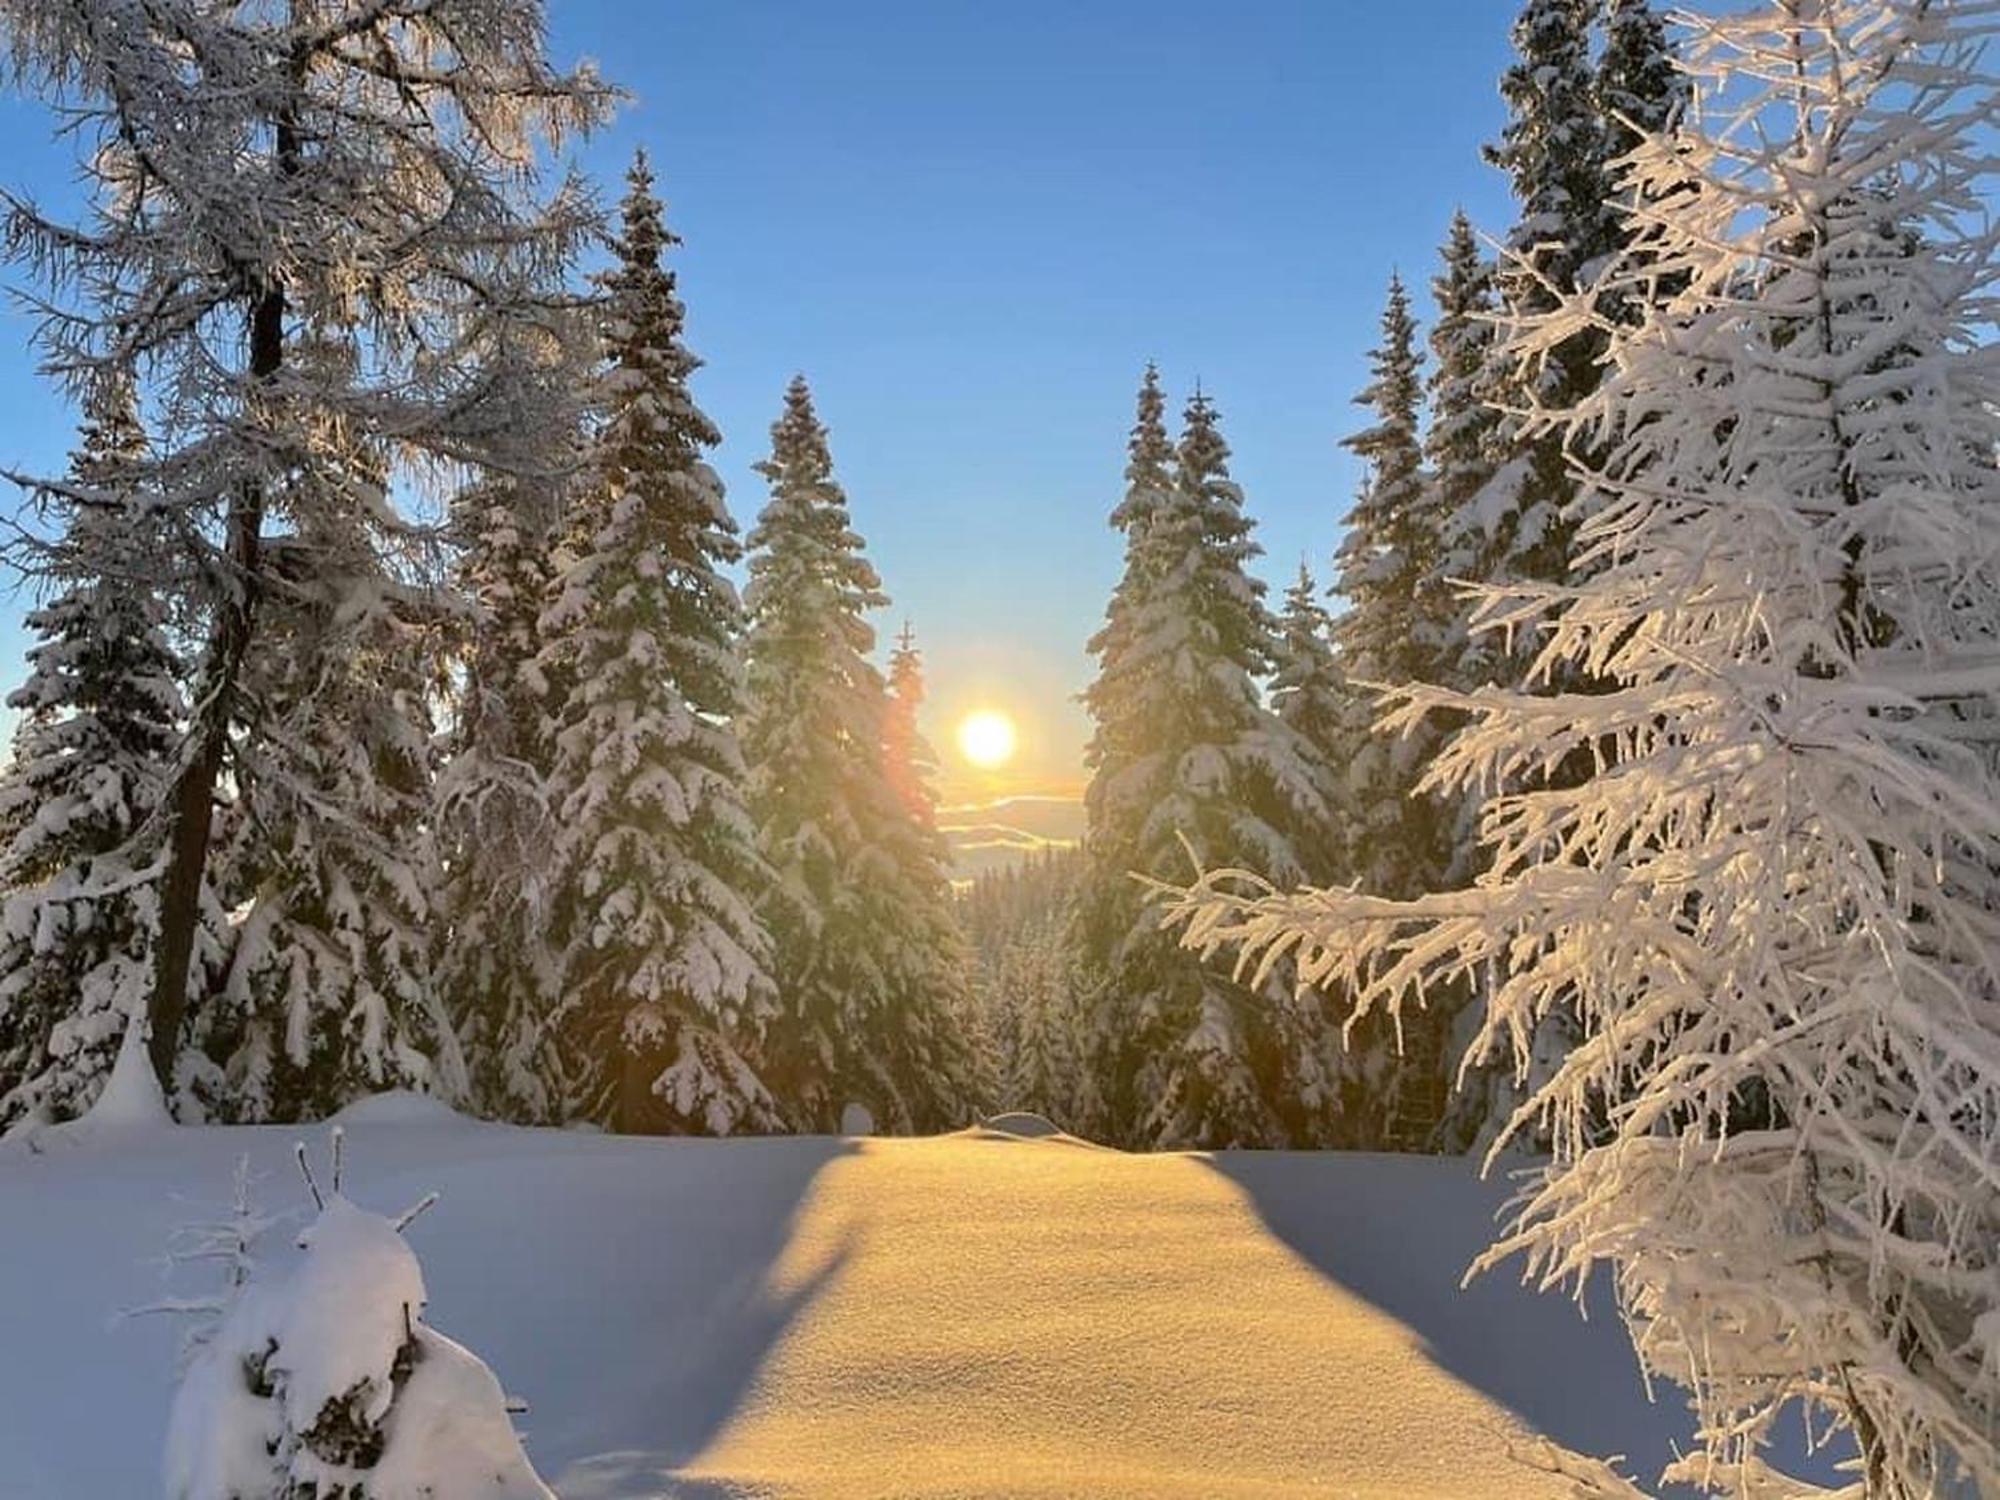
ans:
(306, 1171)
(411, 1214)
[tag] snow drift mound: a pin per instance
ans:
(399, 1107)
(1022, 1124)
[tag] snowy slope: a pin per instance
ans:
(983, 1314)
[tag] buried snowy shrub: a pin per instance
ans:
(323, 1382)
(1774, 904)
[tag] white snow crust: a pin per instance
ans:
(979, 1315)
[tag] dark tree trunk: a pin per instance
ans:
(192, 809)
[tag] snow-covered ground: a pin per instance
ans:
(994, 1313)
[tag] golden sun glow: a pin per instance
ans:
(987, 738)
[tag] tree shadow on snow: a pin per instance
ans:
(633, 1307)
(1399, 1232)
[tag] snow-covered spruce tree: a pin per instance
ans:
(862, 1016)
(1639, 87)
(101, 713)
(1148, 488)
(1773, 905)
(1312, 697)
(1197, 1059)
(324, 1382)
(1384, 1089)
(496, 970)
(1402, 622)
(1028, 987)
(1552, 149)
(1045, 1069)
(662, 958)
(934, 958)
(1461, 448)
(330, 860)
(1640, 92)
(264, 177)
(911, 763)
(1398, 622)
(1114, 805)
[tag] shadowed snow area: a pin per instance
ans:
(988, 1314)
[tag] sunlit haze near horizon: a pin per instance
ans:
(971, 226)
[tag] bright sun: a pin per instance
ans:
(986, 738)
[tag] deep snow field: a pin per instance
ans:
(992, 1313)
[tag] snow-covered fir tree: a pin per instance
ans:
(1552, 149)
(1399, 620)
(910, 761)
(864, 1017)
(1403, 623)
(496, 969)
(100, 717)
(1045, 1072)
(1771, 906)
(1385, 1089)
(1640, 91)
(267, 182)
(661, 955)
(1114, 807)
(1187, 749)
(330, 862)
(1462, 447)
(1019, 921)
(1148, 488)
(935, 961)
(1312, 697)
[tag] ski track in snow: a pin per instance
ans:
(981, 1315)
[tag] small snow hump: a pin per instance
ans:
(857, 1119)
(1022, 1123)
(398, 1107)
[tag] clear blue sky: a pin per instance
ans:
(970, 224)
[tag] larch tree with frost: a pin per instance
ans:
(663, 960)
(858, 1022)
(496, 969)
(1772, 906)
(100, 718)
(276, 190)
(1205, 765)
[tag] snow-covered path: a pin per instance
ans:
(975, 1315)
